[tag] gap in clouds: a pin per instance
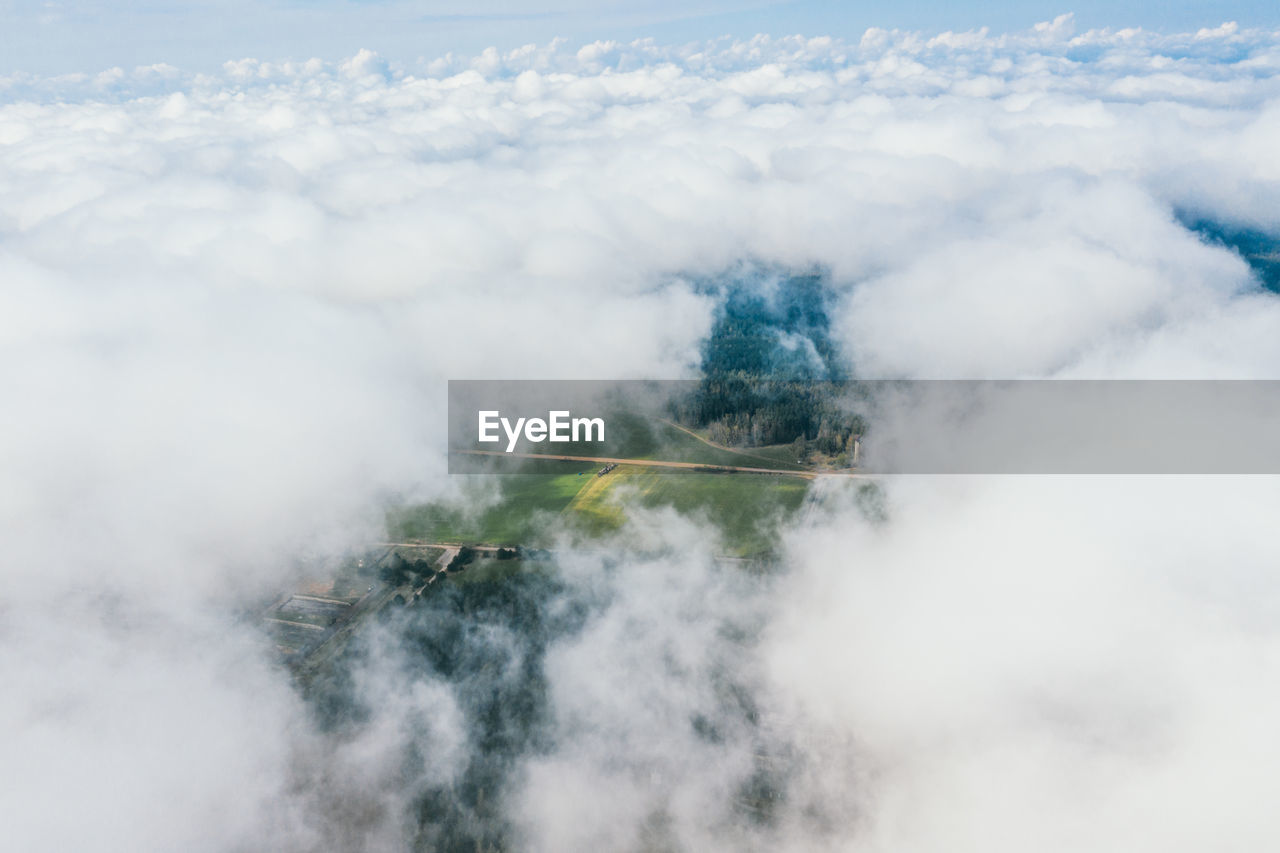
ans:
(229, 305)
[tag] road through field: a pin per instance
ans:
(662, 463)
(709, 443)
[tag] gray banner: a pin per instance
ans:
(883, 427)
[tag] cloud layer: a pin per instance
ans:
(229, 304)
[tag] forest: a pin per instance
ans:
(771, 371)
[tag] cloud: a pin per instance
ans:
(84, 35)
(230, 302)
(1020, 663)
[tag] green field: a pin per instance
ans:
(525, 513)
(679, 446)
(746, 509)
(775, 456)
(548, 498)
(531, 509)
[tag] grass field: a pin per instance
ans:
(774, 456)
(524, 514)
(549, 497)
(746, 509)
(679, 446)
(533, 508)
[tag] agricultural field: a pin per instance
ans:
(775, 456)
(532, 509)
(531, 501)
(679, 444)
(523, 511)
(746, 509)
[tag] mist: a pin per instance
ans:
(229, 304)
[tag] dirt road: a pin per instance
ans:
(738, 451)
(662, 463)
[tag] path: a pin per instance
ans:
(662, 463)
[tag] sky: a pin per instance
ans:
(232, 291)
(63, 36)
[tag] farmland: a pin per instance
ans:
(744, 509)
(540, 502)
(525, 508)
(534, 508)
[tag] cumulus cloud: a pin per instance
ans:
(229, 303)
(1023, 664)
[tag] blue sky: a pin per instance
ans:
(56, 36)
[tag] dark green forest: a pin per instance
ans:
(771, 369)
(1260, 250)
(486, 633)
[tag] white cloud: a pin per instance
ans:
(1024, 662)
(229, 302)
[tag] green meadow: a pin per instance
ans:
(532, 501)
(514, 509)
(533, 508)
(745, 509)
